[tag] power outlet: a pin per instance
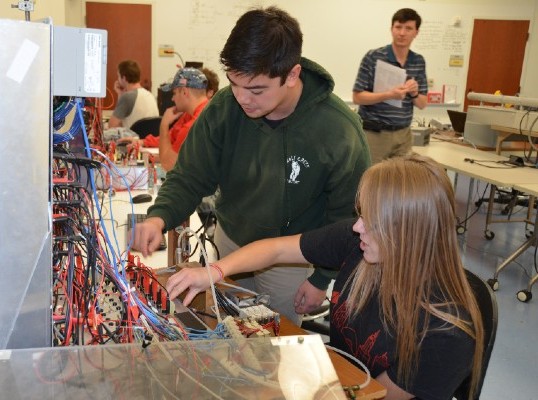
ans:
(430, 82)
(166, 50)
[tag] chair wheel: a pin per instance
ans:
(524, 296)
(489, 234)
(528, 234)
(460, 229)
(494, 284)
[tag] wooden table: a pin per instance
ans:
(503, 132)
(348, 374)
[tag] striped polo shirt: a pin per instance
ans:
(384, 113)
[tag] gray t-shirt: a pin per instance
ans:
(134, 105)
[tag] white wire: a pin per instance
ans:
(242, 289)
(207, 267)
(366, 370)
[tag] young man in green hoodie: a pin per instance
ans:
(285, 151)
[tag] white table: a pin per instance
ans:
(452, 156)
(471, 162)
(474, 163)
(121, 206)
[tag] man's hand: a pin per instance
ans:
(148, 235)
(308, 298)
(171, 114)
(398, 92)
(118, 88)
(195, 279)
(411, 87)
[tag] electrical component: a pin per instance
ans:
(259, 313)
(421, 135)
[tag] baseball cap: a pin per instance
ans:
(187, 77)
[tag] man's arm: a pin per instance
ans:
(421, 101)
(368, 98)
(399, 92)
(412, 88)
(123, 109)
(353, 160)
(167, 155)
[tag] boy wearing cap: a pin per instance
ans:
(190, 98)
(286, 153)
(134, 102)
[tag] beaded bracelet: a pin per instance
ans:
(219, 270)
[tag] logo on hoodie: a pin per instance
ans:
(296, 164)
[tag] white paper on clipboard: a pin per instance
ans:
(386, 77)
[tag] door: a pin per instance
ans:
(496, 60)
(129, 37)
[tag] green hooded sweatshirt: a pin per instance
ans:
(301, 175)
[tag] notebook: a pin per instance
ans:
(457, 120)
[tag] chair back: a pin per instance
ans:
(487, 303)
(146, 126)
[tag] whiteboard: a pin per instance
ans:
(336, 33)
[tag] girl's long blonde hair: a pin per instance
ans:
(407, 205)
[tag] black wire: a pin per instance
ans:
(535, 252)
(482, 163)
(468, 217)
(224, 303)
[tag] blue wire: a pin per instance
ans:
(158, 322)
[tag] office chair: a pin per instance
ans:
(145, 126)
(488, 307)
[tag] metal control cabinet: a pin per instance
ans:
(25, 182)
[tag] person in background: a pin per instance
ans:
(401, 303)
(387, 126)
(192, 88)
(180, 122)
(190, 97)
(212, 82)
(279, 110)
(134, 102)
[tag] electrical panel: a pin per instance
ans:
(79, 62)
(25, 220)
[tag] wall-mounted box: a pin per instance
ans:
(435, 97)
(79, 61)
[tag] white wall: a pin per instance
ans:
(336, 33)
(529, 81)
(42, 9)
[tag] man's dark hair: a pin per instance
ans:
(264, 41)
(407, 14)
(130, 70)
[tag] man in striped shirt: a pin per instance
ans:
(387, 114)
